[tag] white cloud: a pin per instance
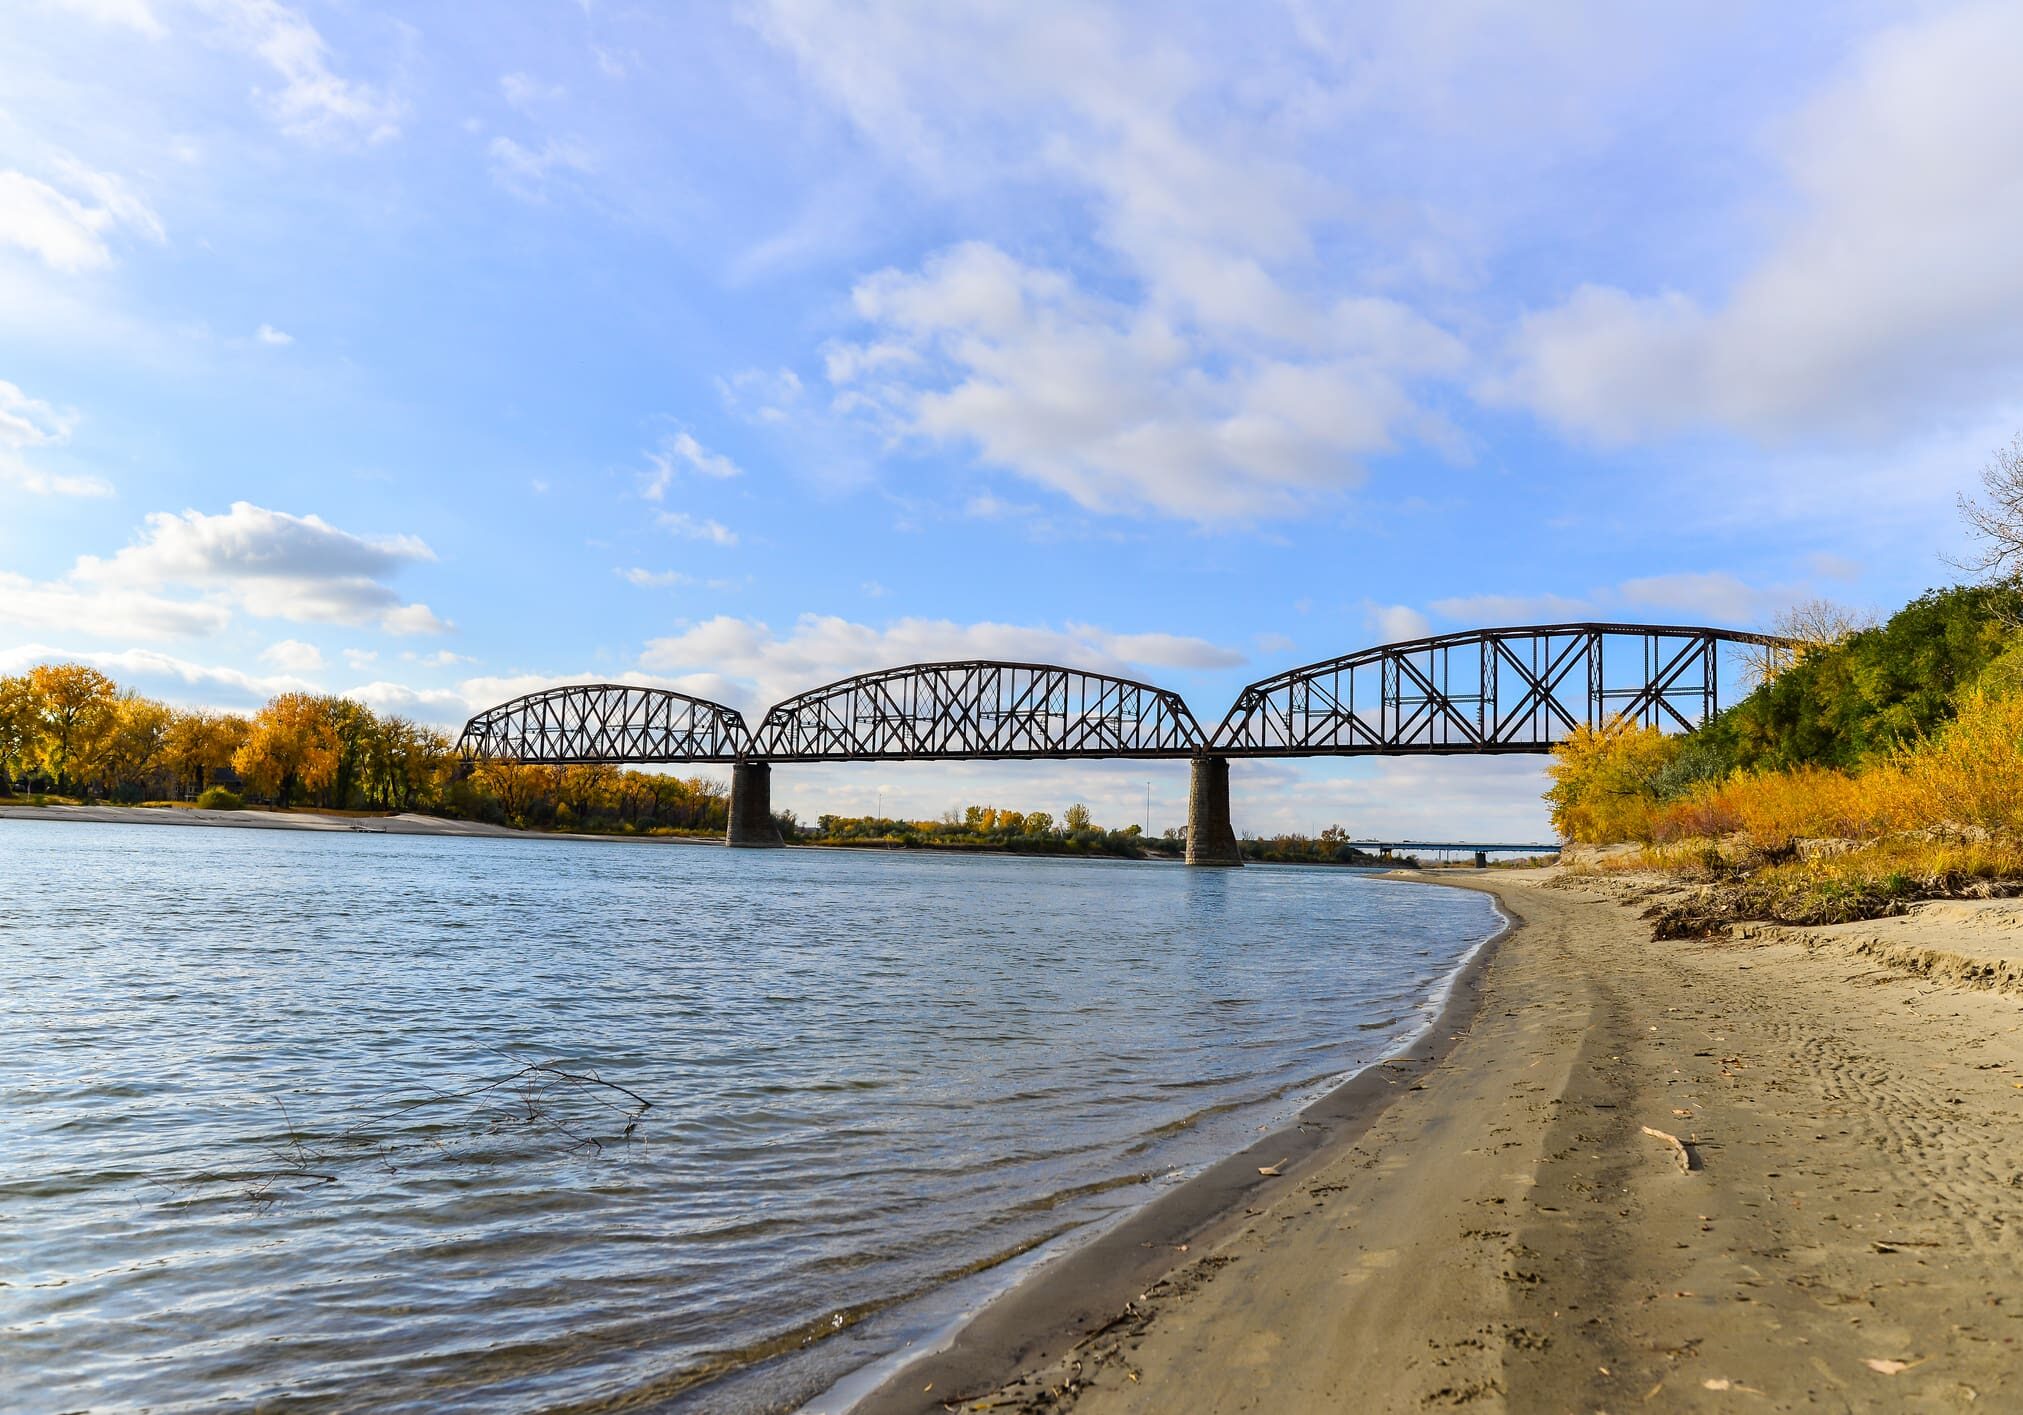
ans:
(1395, 622)
(1120, 408)
(268, 334)
(692, 528)
(756, 667)
(1707, 596)
(1693, 596)
(528, 172)
(27, 422)
(66, 225)
(1224, 373)
(676, 452)
(59, 606)
(525, 92)
(273, 565)
(360, 658)
(293, 656)
(761, 396)
(119, 14)
(1888, 298)
(314, 102)
(143, 668)
(1493, 611)
(654, 579)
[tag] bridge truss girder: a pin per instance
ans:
(1484, 691)
(608, 722)
(979, 710)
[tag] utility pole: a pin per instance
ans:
(1148, 808)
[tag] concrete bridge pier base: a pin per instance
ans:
(751, 813)
(1210, 838)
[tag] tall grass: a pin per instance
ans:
(1968, 774)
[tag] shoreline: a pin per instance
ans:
(1043, 1314)
(321, 822)
(1508, 1226)
(416, 823)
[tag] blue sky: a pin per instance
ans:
(434, 352)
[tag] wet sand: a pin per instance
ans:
(1496, 1228)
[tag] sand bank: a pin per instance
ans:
(406, 823)
(1499, 1230)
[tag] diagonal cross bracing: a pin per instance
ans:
(607, 722)
(979, 709)
(1531, 686)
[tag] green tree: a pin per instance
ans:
(1076, 818)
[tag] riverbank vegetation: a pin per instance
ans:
(989, 828)
(69, 732)
(1877, 765)
(1882, 766)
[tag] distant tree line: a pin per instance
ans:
(67, 729)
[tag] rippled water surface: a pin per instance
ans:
(396, 1122)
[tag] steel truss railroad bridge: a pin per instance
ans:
(1482, 692)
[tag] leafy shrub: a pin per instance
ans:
(217, 798)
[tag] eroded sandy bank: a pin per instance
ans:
(1505, 1234)
(406, 823)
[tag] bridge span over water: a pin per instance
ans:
(1478, 692)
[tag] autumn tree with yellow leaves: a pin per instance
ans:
(291, 747)
(76, 701)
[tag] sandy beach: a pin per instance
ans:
(1496, 1226)
(401, 823)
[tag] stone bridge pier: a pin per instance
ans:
(1211, 840)
(751, 813)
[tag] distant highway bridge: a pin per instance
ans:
(1479, 692)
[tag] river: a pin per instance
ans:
(346, 1121)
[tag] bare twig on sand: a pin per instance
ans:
(1680, 1150)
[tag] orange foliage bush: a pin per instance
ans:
(1776, 807)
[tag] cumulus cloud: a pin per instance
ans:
(1395, 622)
(313, 101)
(67, 221)
(105, 612)
(26, 423)
(293, 655)
(1694, 596)
(1889, 295)
(1227, 376)
(268, 334)
(271, 564)
(758, 667)
(1121, 408)
(146, 668)
(1490, 611)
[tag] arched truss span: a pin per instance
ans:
(608, 722)
(1486, 691)
(977, 710)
